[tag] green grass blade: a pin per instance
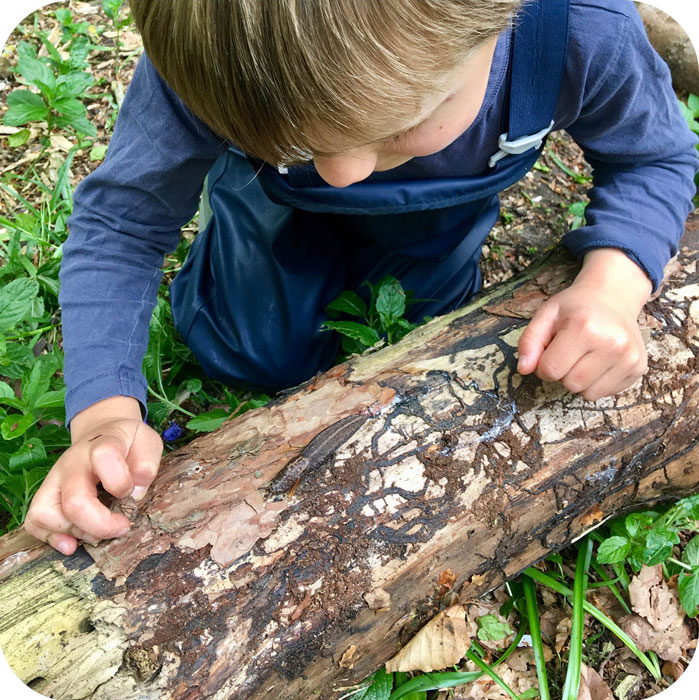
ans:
(490, 673)
(572, 681)
(535, 631)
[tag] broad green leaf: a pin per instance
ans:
(18, 139)
(688, 586)
(379, 688)
(24, 106)
(69, 107)
(51, 399)
(73, 84)
(390, 301)
(193, 386)
(64, 16)
(658, 546)
(206, 422)
(80, 124)
(15, 425)
(691, 552)
(16, 359)
(31, 454)
(636, 522)
(688, 507)
(98, 152)
(357, 331)
(348, 302)
(634, 558)
(157, 412)
(37, 383)
(79, 48)
(613, 550)
(111, 8)
(6, 391)
(36, 72)
(491, 629)
(3, 347)
(16, 299)
(54, 436)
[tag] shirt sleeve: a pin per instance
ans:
(626, 118)
(127, 215)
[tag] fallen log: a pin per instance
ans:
(430, 455)
(674, 46)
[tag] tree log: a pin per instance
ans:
(674, 46)
(227, 588)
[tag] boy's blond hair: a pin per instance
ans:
(284, 79)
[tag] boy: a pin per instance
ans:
(331, 162)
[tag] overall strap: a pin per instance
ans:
(539, 52)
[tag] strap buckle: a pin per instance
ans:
(520, 145)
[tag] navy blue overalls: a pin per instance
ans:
(279, 247)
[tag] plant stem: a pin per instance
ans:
(572, 681)
(535, 631)
(597, 614)
(610, 584)
(169, 403)
(26, 334)
(681, 564)
(490, 673)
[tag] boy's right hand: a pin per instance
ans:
(111, 445)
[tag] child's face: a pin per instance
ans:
(447, 114)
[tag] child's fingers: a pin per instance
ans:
(82, 507)
(144, 459)
(586, 371)
(561, 355)
(65, 544)
(107, 458)
(536, 337)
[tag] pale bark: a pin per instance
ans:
(222, 590)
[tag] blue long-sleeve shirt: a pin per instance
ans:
(616, 101)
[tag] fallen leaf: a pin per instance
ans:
(592, 685)
(624, 688)
(442, 642)
(673, 670)
(668, 644)
(447, 579)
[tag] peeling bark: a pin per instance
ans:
(226, 589)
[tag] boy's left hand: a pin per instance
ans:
(587, 337)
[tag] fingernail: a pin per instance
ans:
(121, 533)
(65, 548)
(523, 362)
(139, 492)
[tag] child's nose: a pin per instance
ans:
(344, 169)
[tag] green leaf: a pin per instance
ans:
(357, 331)
(36, 385)
(206, 422)
(16, 299)
(79, 48)
(51, 399)
(635, 558)
(390, 301)
(111, 8)
(16, 359)
(31, 454)
(693, 104)
(688, 586)
(98, 152)
(348, 302)
(14, 425)
(636, 522)
(18, 139)
(658, 546)
(80, 124)
(24, 106)
(69, 107)
(73, 84)
(491, 629)
(691, 552)
(36, 72)
(379, 688)
(64, 16)
(193, 386)
(6, 391)
(613, 550)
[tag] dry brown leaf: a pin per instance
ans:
(668, 644)
(349, 657)
(673, 670)
(592, 685)
(442, 642)
(518, 671)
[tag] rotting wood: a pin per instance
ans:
(224, 590)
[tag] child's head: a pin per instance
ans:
(289, 79)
